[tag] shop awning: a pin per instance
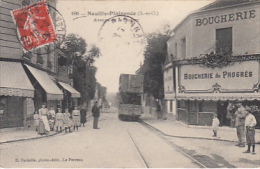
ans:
(69, 88)
(14, 81)
(52, 90)
(220, 96)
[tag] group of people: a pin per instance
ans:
(47, 120)
(245, 124)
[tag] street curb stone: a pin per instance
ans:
(205, 138)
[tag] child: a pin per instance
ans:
(76, 117)
(36, 118)
(51, 118)
(59, 120)
(66, 120)
(215, 124)
(250, 124)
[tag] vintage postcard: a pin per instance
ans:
(129, 84)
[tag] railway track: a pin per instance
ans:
(136, 147)
(162, 136)
(158, 133)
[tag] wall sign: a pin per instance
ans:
(237, 77)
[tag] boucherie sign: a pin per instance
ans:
(250, 14)
(239, 76)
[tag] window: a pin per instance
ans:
(224, 40)
(171, 105)
(183, 48)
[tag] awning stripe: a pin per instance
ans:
(69, 88)
(14, 81)
(52, 90)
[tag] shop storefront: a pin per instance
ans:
(71, 96)
(206, 85)
(16, 96)
(45, 88)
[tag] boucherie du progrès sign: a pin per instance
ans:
(240, 75)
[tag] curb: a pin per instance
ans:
(32, 138)
(35, 138)
(203, 138)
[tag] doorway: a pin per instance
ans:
(222, 113)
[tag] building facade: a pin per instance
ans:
(169, 87)
(216, 53)
(27, 79)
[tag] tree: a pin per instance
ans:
(155, 55)
(84, 80)
(102, 91)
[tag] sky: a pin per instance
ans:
(121, 39)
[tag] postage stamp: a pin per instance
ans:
(34, 26)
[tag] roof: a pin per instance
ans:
(14, 81)
(52, 90)
(225, 3)
(69, 88)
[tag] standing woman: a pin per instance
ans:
(76, 117)
(43, 112)
(59, 120)
(83, 113)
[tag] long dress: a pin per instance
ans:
(83, 114)
(43, 113)
(59, 120)
(76, 117)
(66, 120)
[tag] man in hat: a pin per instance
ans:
(250, 124)
(96, 114)
(240, 123)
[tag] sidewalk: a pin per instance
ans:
(14, 135)
(9, 135)
(180, 129)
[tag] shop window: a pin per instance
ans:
(183, 48)
(193, 106)
(224, 40)
(3, 106)
(181, 104)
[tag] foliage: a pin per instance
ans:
(74, 48)
(155, 55)
(102, 91)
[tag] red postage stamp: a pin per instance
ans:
(34, 25)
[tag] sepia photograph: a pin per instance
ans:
(130, 83)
